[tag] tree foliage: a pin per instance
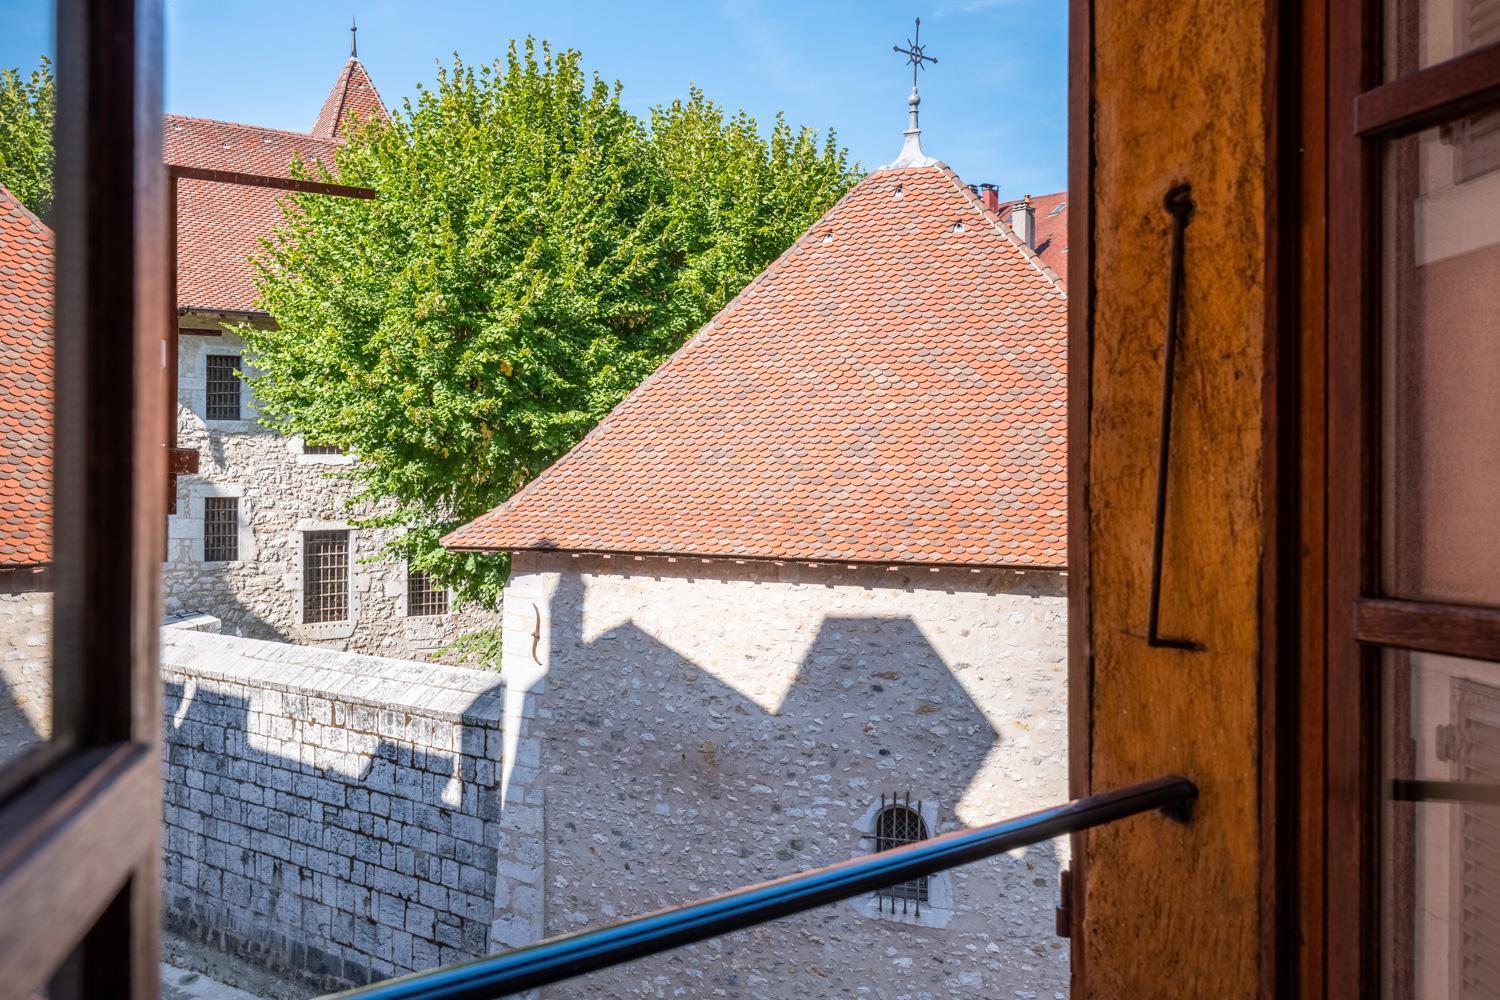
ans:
(535, 251)
(27, 105)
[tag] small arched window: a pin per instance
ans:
(897, 824)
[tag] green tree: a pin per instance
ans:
(26, 111)
(534, 253)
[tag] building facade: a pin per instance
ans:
(26, 362)
(262, 536)
(801, 596)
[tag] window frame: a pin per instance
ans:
(1344, 593)
(230, 537)
(447, 596)
(347, 570)
(209, 360)
(80, 814)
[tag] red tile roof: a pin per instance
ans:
(25, 386)
(891, 390)
(1051, 230)
(219, 226)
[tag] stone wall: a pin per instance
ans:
(26, 671)
(283, 493)
(703, 724)
(332, 816)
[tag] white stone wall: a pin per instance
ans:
(26, 670)
(704, 724)
(283, 493)
(332, 816)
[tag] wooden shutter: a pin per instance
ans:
(1477, 138)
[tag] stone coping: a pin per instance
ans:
(457, 694)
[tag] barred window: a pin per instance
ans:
(221, 529)
(223, 401)
(423, 597)
(322, 449)
(325, 576)
(897, 824)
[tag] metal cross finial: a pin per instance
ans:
(914, 54)
(353, 39)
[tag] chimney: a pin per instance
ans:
(990, 195)
(1023, 221)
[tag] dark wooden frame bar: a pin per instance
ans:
(1429, 627)
(1430, 96)
(79, 881)
(1080, 351)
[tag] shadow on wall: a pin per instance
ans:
(667, 783)
(16, 729)
(329, 874)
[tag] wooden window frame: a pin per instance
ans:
(1352, 618)
(80, 814)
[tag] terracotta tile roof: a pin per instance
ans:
(353, 95)
(1051, 230)
(891, 390)
(25, 386)
(219, 226)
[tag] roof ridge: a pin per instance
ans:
(977, 203)
(246, 125)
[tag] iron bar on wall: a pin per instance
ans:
(1179, 204)
(573, 955)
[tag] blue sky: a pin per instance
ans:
(993, 108)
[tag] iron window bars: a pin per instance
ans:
(325, 576)
(223, 399)
(221, 529)
(897, 824)
(322, 449)
(422, 597)
(576, 954)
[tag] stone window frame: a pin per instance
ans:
(195, 509)
(403, 607)
(939, 908)
(297, 445)
(320, 631)
(192, 374)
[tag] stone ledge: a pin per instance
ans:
(457, 694)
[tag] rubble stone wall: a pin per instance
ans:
(25, 670)
(704, 724)
(335, 817)
(283, 493)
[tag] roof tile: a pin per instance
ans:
(896, 393)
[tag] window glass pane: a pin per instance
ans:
(1420, 33)
(1441, 843)
(26, 378)
(1441, 297)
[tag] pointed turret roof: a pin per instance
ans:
(353, 95)
(893, 389)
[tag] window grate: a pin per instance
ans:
(322, 449)
(325, 576)
(223, 400)
(423, 597)
(221, 529)
(897, 824)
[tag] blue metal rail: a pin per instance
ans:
(571, 955)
